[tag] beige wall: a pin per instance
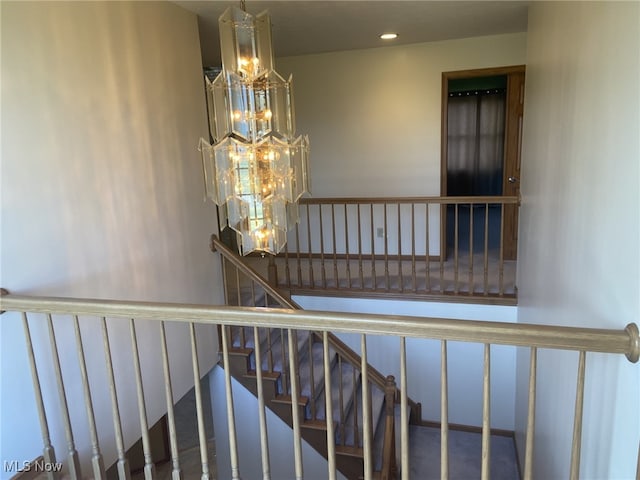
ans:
(373, 116)
(579, 229)
(102, 109)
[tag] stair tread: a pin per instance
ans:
(265, 375)
(316, 424)
(287, 399)
(350, 451)
(240, 351)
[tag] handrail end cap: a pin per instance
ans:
(634, 342)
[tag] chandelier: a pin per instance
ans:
(257, 169)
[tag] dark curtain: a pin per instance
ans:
(475, 142)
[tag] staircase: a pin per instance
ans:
(246, 287)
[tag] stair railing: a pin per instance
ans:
(583, 340)
(397, 246)
(244, 286)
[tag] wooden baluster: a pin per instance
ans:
(284, 374)
(243, 338)
(471, 249)
(341, 400)
(427, 259)
(486, 249)
(389, 470)
(501, 260)
(176, 473)
(253, 294)
(225, 281)
(486, 414)
(48, 452)
(374, 279)
(231, 421)
(238, 295)
(269, 351)
(312, 376)
(264, 437)
(324, 273)
(149, 467)
(287, 272)
(97, 462)
(265, 297)
(72, 454)
(400, 276)
(366, 409)
(356, 429)
(202, 434)
(311, 281)
(335, 260)
(346, 243)
(386, 250)
(295, 407)
(455, 248)
(577, 420)
(331, 436)
(443, 249)
(444, 415)
(298, 264)
(404, 414)
(531, 417)
(413, 248)
(360, 250)
(122, 464)
(272, 271)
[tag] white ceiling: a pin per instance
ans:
(304, 27)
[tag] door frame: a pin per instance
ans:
(511, 161)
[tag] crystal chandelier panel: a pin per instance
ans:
(257, 169)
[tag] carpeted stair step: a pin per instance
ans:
(275, 352)
(377, 401)
(237, 334)
(276, 344)
(311, 363)
(346, 374)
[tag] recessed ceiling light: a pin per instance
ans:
(388, 36)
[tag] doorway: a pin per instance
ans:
(481, 132)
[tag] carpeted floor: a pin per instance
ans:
(465, 452)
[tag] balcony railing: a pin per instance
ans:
(447, 248)
(49, 311)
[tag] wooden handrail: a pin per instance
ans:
(625, 341)
(218, 246)
(453, 200)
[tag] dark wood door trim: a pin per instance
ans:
(514, 70)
